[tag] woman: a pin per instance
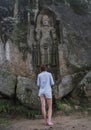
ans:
(45, 82)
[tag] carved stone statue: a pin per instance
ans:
(47, 41)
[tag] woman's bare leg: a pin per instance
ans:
(43, 108)
(49, 102)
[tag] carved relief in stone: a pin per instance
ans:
(46, 42)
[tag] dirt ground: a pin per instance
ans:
(77, 121)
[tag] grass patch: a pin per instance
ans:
(70, 106)
(64, 106)
(4, 122)
(9, 109)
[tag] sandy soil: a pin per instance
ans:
(71, 122)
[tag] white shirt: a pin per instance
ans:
(45, 81)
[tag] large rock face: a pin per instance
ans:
(61, 40)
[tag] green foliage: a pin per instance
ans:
(9, 109)
(59, 105)
(83, 107)
(64, 106)
(70, 105)
(4, 121)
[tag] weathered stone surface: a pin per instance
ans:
(75, 38)
(7, 83)
(70, 49)
(82, 88)
(85, 84)
(27, 92)
(2, 53)
(14, 57)
(64, 87)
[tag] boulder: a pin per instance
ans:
(27, 92)
(7, 83)
(64, 87)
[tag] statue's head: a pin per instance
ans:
(45, 20)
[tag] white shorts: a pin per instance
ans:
(45, 94)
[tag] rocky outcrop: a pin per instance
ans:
(24, 44)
